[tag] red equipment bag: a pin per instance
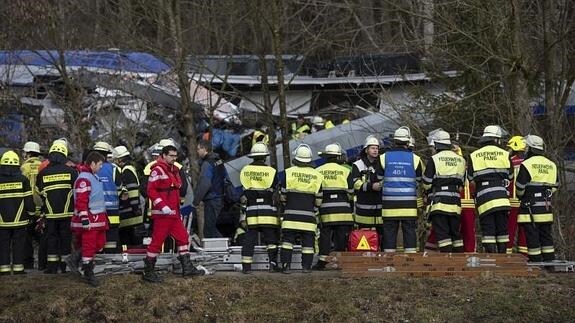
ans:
(363, 240)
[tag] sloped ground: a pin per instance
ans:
(263, 297)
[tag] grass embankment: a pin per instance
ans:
(297, 297)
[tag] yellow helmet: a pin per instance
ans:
(517, 143)
(59, 147)
(10, 158)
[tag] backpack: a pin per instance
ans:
(231, 194)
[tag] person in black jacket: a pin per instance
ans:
(17, 208)
(55, 184)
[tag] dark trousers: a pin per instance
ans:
(129, 235)
(408, 228)
(112, 239)
(539, 241)
(447, 232)
(12, 249)
(338, 234)
(58, 239)
(212, 209)
(494, 232)
(307, 244)
(270, 237)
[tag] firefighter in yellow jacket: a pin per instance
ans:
(335, 214)
(56, 185)
(16, 210)
(259, 213)
(30, 169)
(536, 181)
(443, 178)
(301, 191)
(490, 169)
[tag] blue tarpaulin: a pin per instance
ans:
(136, 62)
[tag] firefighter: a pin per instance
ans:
(536, 182)
(163, 189)
(336, 218)
(130, 212)
(110, 176)
(443, 178)
(259, 214)
(30, 169)
(16, 209)
(300, 128)
(56, 185)
(90, 221)
(366, 182)
(517, 148)
(260, 134)
(401, 170)
(490, 169)
(301, 194)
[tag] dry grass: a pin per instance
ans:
(266, 298)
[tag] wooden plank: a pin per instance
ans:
(441, 274)
(434, 268)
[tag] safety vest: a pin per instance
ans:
(516, 161)
(490, 171)
(445, 183)
(536, 192)
(260, 136)
(367, 211)
(335, 208)
(16, 202)
(399, 191)
(257, 181)
(107, 175)
(56, 184)
(30, 169)
(302, 188)
(297, 131)
(131, 184)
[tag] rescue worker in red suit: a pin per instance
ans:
(517, 150)
(89, 222)
(164, 191)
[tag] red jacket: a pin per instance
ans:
(89, 201)
(164, 188)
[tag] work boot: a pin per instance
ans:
(306, 270)
(286, 268)
(89, 276)
(320, 265)
(62, 267)
(150, 275)
(51, 268)
(490, 247)
(247, 268)
(502, 247)
(73, 261)
(188, 269)
(535, 258)
(274, 268)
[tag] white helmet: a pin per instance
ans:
(331, 149)
(534, 142)
(31, 147)
(494, 131)
(442, 137)
(431, 135)
(303, 153)
(102, 146)
(168, 142)
(317, 121)
(259, 149)
(370, 141)
(156, 150)
(411, 142)
(402, 134)
(121, 151)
